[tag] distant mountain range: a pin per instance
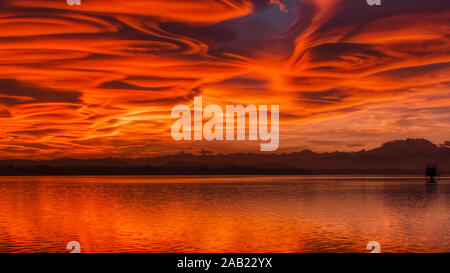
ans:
(399, 156)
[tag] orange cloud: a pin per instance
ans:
(100, 79)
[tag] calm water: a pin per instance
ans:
(223, 214)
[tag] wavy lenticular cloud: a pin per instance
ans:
(100, 79)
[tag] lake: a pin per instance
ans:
(224, 213)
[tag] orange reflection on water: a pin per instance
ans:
(222, 214)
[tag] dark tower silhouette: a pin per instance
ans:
(431, 172)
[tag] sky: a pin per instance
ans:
(101, 79)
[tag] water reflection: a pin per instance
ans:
(223, 214)
(432, 188)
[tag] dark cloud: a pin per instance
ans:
(14, 92)
(414, 71)
(246, 81)
(359, 14)
(362, 55)
(331, 96)
(129, 86)
(37, 132)
(264, 31)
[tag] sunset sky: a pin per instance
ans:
(101, 79)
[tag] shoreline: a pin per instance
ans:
(82, 171)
